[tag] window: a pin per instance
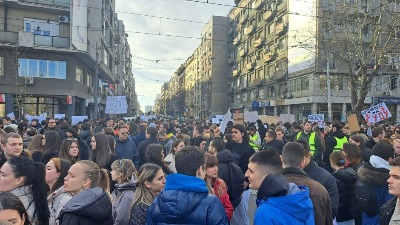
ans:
(42, 68)
(304, 83)
(1, 67)
(42, 27)
(271, 28)
(79, 74)
(88, 80)
(393, 82)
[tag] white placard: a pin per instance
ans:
(376, 113)
(319, 118)
(77, 119)
(224, 123)
(59, 116)
(11, 115)
(250, 116)
(116, 105)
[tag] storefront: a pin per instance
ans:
(2, 105)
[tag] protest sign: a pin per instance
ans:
(77, 119)
(215, 120)
(290, 118)
(353, 123)
(269, 119)
(238, 118)
(225, 121)
(319, 118)
(59, 116)
(11, 115)
(116, 105)
(250, 116)
(376, 113)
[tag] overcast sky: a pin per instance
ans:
(152, 25)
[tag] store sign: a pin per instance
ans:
(255, 104)
(69, 99)
(387, 101)
(2, 98)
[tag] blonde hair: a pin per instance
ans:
(126, 168)
(97, 176)
(147, 172)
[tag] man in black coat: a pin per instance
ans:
(334, 142)
(151, 138)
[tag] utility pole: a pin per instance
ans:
(96, 86)
(328, 81)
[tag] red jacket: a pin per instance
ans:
(220, 190)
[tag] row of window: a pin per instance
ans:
(81, 77)
(42, 68)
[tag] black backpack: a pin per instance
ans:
(235, 184)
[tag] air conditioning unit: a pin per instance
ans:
(29, 80)
(63, 19)
(387, 93)
(289, 95)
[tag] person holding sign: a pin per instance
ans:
(313, 140)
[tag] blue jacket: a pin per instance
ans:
(127, 150)
(185, 200)
(139, 138)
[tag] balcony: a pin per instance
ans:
(236, 72)
(236, 40)
(282, 54)
(57, 42)
(280, 74)
(270, 37)
(268, 16)
(280, 28)
(281, 6)
(249, 30)
(259, 42)
(257, 4)
(8, 37)
(268, 57)
(231, 60)
(58, 3)
(243, 19)
(250, 66)
(242, 52)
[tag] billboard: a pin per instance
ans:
(79, 34)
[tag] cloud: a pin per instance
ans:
(142, 20)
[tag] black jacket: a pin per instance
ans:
(86, 135)
(366, 154)
(346, 179)
(370, 143)
(92, 206)
(327, 180)
(142, 149)
(330, 143)
(275, 145)
(386, 211)
(241, 153)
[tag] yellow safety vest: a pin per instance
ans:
(339, 143)
(254, 138)
(311, 141)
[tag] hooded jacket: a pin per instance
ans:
(56, 202)
(121, 199)
(330, 143)
(346, 179)
(374, 176)
(275, 145)
(318, 194)
(86, 135)
(126, 149)
(24, 193)
(281, 202)
(241, 153)
(185, 200)
(91, 206)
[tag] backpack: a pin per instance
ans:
(235, 184)
(366, 198)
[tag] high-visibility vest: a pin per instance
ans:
(339, 143)
(254, 138)
(311, 142)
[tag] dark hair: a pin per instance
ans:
(218, 144)
(102, 154)
(228, 137)
(133, 127)
(242, 129)
(142, 128)
(337, 126)
(337, 158)
(53, 142)
(73, 131)
(358, 139)
(376, 132)
(62, 167)
(111, 142)
(9, 130)
(12, 202)
(147, 172)
(153, 154)
(86, 126)
(64, 151)
(199, 129)
(189, 160)
(152, 132)
(268, 159)
(175, 145)
(383, 150)
(305, 146)
(353, 154)
(34, 176)
(271, 134)
(64, 125)
(198, 141)
(108, 131)
(293, 154)
(211, 160)
(395, 161)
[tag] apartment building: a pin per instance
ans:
(48, 56)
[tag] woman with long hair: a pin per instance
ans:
(26, 179)
(346, 179)
(170, 158)
(12, 209)
(155, 154)
(111, 142)
(90, 203)
(100, 152)
(228, 140)
(150, 182)
(51, 145)
(124, 174)
(70, 151)
(217, 186)
(352, 153)
(360, 141)
(56, 171)
(35, 147)
(72, 134)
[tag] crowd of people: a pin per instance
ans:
(167, 171)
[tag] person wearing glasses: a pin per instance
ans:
(126, 148)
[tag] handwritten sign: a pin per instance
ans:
(269, 119)
(376, 113)
(238, 118)
(353, 123)
(77, 119)
(319, 118)
(225, 121)
(287, 118)
(116, 105)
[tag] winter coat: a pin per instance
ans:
(370, 143)
(330, 143)
(83, 149)
(281, 202)
(89, 207)
(346, 179)
(56, 202)
(388, 210)
(139, 138)
(220, 190)
(126, 149)
(366, 154)
(185, 200)
(24, 193)
(318, 194)
(138, 214)
(327, 180)
(86, 135)
(319, 149)
(121, 199)
(275, 145)
(229, 172)
(142, 149)
(27, 140)
(241, 153)
(375, 177)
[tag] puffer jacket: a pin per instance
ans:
(56, 202)
(346, 179)
(121, 199)
(27, 140)
(86, 135)
(24, 193)
(185, 200)
(91, 206)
